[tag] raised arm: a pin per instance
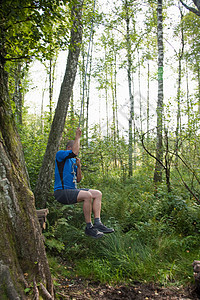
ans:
(76, 145)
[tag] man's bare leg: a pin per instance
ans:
(86, 197)
(96, 205)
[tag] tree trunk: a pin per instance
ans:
(23, 256)
(46, 171)
(52, 65)
(139, 89)
(18, 97)
(148, 95)
(88, 96)
(198, 78)
(113, 73)
(178, 116)
(159, 146)
(128, 43)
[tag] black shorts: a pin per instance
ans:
(67, 196)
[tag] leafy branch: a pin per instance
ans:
(195, 11)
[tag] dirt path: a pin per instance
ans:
(83, 289)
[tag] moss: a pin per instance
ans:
(21, 243)
(8, 285)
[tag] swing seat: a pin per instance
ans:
(42, 217)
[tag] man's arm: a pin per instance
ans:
(76, 146)
(79, 175)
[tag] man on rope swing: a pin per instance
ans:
(67, 174)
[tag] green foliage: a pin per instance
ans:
(34, 139)
(33, 29)
(156, 237)
(156, 233)
(58, 268)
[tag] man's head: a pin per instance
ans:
(69, 145)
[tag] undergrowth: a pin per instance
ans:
(156, 235)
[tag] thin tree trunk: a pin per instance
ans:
(114, 108)
(52, 65)
(148, 92)
(46, 171)
(42, 108)
(128, 44)
(106, 91)
(198, 77)
(187, 95)
(178, 124)
(88, 96)
(139, 88)
(159, 146)
(178, 116)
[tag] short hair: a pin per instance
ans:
(70, 144)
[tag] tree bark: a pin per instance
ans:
(178, 116)
(46, 172)
(148, 97)
(23, 256)
(198, 78)
(18, 97)
(131, 118)
(159, 147)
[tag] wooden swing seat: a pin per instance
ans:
(42, 217)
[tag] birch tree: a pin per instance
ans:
(159, 146)
(180, 57)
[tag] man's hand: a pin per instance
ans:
(78, 132)
(78, 162)
(76, 146)
(79, 175)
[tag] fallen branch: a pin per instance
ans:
(60, 294)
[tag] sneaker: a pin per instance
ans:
(93, 232)
(102, 228)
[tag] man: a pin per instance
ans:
(67, 173)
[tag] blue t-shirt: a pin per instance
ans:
(64, 164)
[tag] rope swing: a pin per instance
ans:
(88, 54)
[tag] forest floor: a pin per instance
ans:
(83, 289)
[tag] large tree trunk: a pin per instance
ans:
(159, 146)
(46, 171)
(23, 258)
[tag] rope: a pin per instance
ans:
(74, 175)
(88, 54)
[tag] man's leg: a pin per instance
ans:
(87, 197)
(96, 206)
